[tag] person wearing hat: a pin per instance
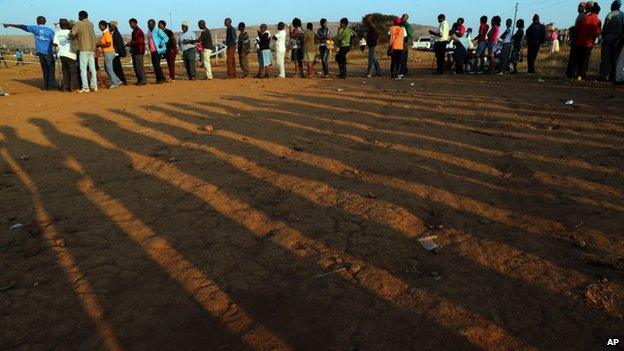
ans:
(67, 55)
(395, 51)
(611, 32)
(441, 37)
(535, 37)
(189, 53)
(120, 50)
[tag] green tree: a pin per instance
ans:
(381, 22)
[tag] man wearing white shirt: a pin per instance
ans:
(280, 49)
(441, 38)
(62, 43)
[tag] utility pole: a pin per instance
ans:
(513, 25)
(171, 21)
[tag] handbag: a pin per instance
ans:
(199, 47)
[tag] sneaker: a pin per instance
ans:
(84, 91)
(368, 76)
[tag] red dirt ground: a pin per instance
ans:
(295, 223)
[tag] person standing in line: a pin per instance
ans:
(189, 53)
(397, 35)
(244, 48)
(171, 52)
(372, 39)
(265, 58)
(611, 32)
(587, 31)
(43, 45)
(84, 32)
(205, 46)
(516, 49)
(137, 50)
(535, 36)
(492, 40)
(461, 28)
(157, 43)
(582, 12)
(506, 50)
(280, 49)
(343, 41)
(67, 56)
(230, 42)
(441, 37)
(106, 45)
(309, 49)
(409, 29)
(296, 46)
(324, 34)
(484, 28)
(120, 50)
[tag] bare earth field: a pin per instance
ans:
(294, 224)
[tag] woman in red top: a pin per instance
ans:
(587, 30)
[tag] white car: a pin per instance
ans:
(423, 43)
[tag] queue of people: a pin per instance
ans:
(494, 49)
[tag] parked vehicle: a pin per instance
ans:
(423, 43)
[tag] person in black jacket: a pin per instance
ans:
(535, 36)
(120, 49)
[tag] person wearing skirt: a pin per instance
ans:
(265, 57)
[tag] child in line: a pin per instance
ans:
(482, 41)
(517, 45)
(309, 49)
(265, 57)
(492, 40)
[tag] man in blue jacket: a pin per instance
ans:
(43, 43)
(157, 44)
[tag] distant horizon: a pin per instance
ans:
(562, 13)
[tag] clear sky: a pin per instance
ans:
(273, 11)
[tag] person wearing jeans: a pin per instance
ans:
(106, 45)
(84, 32)
(324, 34)
(372, 38)
(397, 35)
(43, 43)
(137, 49)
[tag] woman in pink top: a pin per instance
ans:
(492, 40)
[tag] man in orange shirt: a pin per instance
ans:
(397, 37)
(106, 45)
